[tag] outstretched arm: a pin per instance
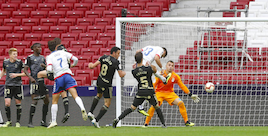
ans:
(121, 73)
(93, 65)
(158, 62)
(140, 50)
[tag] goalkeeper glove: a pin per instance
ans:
(50, 76)
(194, 97)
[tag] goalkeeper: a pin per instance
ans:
(166, 92)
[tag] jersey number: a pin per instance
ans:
(60, 59)
(7, 92)
(144, 82)
(147, 51)
(104, 69)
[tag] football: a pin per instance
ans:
(209, 87)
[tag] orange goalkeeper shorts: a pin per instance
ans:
(166, 96)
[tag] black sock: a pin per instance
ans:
(94, 103)
(41, 86)
(102, 112)
(18, 112)
(8, 113)
(125, 113)
(32, 111)
(66, 104)
(45, 110)
(160, 116)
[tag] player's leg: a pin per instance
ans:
(8, 95)
(18, 105)
(41, 92)
(45, 110)
(151, 113)
(153, 101)
(33, 90)
(54, 110)
(65, 101)
(94, 103)
(183, 111)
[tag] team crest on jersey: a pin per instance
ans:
(7, 66)
(173, 79)
(140, 69)
(16, 65)
(34, 59)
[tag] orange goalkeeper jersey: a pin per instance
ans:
(174, 79)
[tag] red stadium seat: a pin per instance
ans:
(9, 6)
(32, 37)
(136, 6)
(46, 6)
(100, 6)
(75, 14)
(40, 29)
(48, 21)
(85, 21)
(49, 36)
(14, 37)
(166, 4)
(118, 6)
(231, 14)
(79, 44)
(238, 5)
(22, 44)
(58, 29)
(74, 51)
(89, 1)
(132, 13)
(1, 21)
(103, 21)
(125, 1)
(67, 21)
(105, 51)
(5, 14)
(30, 21)
(81, 81)
(43, 43)
(46, 52)
(111, 44)
(56, 14)
(39, 14)
(110, 29)
(87, 36)
(82, 6)
(147, 13)
(69, 37)
(111, 13)
(83, 59)
(12, 22)
(64, 6)
(106, 36)
(22, 29)
(95, 29)
(157, 6)
(143, 1)
(6, 29)
(90, 51)
(107, 1)
(34, 1)
(28, 6)
(97, 44)
(1, 59)
(4, 45)
(65, 43)
(27, 51)
(52, 1)
(15, 1)
(77, 29)
(70, 1)
(93, 14)
(2, 37)
(20, 14)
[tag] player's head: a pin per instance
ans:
(58, 41)
(165, 52)
(13, 53)
(36, 47)
(52, 45)
(170, 66)
(115, 52)
(138, 57)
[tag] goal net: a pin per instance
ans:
(231, 53)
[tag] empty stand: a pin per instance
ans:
(22, 29)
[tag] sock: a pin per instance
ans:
(160, 116)
(183, 111)
(18, 112)
(102, 112)
(41, 86)
(8, 113)
(65, 101)
(125, 113)
(79, 101)
(94, 103)
(151, 114)
(32, 111)
(54, 110)
(160, 77)
(44, 110)
(1, 118)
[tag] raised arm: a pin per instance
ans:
(157, 60)
(93, 65)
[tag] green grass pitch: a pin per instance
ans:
(134, 131)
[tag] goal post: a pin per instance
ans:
(229, 52)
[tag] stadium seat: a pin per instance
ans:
(106, 36)
(79, 44)
(20, 14)
(56, 14)
(1, 59)
(48, 21)
(107, 1)
(95, 29)
(14, 37)
(4, 45)
(77, 29)
(132, 13)
(69, 37)
(82, 6)
(105, 51)
(30, 21)
(118, 6)
(100, 6)
(231, 14)
(97, 44)
(50, 36)
(28, 6)
(9, 6)
(64, 6)
(40, 29)
(103, 21)
(87, 36)
(46, 6)
(81, 81)
(52, 1)
(143, 1)
(2, 37)
(12, 22)
(39, 14)
(83, 59)
(43, 43)
(1, 21)
(90, 51)
(32, 37)
(22, 29)
(89, 1)
(85, 73)
(58, 29)
(125, 1)
(136, 6)
(67, 21)
(109, 29)
(111, 44)
(66, 43)
(238, 5)
(46, 52)
(157, 6)
(111, 13)
(85, 21)
(74, 51)
(147, 13)
(21, 44)
(34, 1)
(166, 4)
(93, 14)
(6, 29)
(70, 1)
(15, 1)
(75, 14)
(5, 14)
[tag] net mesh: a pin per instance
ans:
(232, 55)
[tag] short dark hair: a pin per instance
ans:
(138, 57)
(171, 61)
(52, 45)
(35, 44)
(57, 40)
(114, 49)
(165, 50)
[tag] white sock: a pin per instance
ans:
(1, 119)
(79, 101)
(160, 77)
(54, 110)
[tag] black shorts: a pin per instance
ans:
(34, 89)
(106, 91)
(13, 91)
(138, 100)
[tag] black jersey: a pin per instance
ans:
(108, 66)
(34, 62)
(14, 67)
(143, 75)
